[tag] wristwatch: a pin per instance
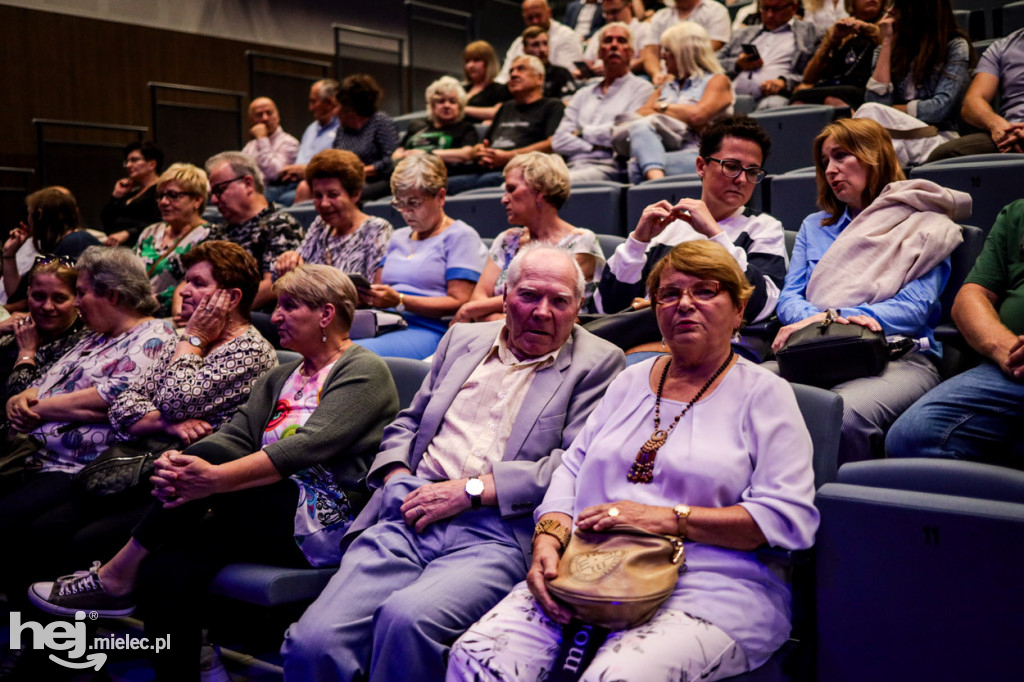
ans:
(662, 106)
(682, 513)
(554, 529)
(196, 341)
(401, 302)
(474, 489)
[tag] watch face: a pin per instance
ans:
(474, 486)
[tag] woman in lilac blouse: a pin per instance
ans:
(734, 474)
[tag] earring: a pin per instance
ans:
(663, 344)
(323, 334)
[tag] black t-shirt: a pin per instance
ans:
(519, 125)
(493, 93)
(558, 82)
(423, 135)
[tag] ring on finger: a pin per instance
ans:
(420, 512)
(613, 512)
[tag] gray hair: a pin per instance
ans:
(327, 87)
(515, 268)
(119, 271)
(442, 87)
(615, 24)
(535, 63)
(543, 173)
(241, 164)
(421, 172)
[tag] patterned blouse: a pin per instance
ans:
(582, 240)
(19, 377)
(192, 387)
(266, 235)
(107, 364)
(374, 143)
(361, 251)
(166, 273)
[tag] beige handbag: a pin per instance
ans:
(618, 578)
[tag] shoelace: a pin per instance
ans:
(81, 582)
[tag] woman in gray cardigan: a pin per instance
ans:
(284, 475)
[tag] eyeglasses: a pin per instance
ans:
(173, 195)
(732, 169)
(65, 261)
(704, 290)
(222, 187)
(409, 205)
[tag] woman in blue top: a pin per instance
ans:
(431, 266)
(878, 255)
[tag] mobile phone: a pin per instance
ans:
(584, 69)
(357, 279)
(751, 49)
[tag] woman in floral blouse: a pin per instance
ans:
(181, 196)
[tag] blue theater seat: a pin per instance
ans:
(794, 196)
(793, 130)
(991, 182)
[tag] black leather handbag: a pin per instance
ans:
(829, 353)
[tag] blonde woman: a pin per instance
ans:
(665, 140)
(480, 66)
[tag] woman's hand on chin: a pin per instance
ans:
(210, 317)
(604, 516)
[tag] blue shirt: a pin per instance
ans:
(913, 312)
(316, 139)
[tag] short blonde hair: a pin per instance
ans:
(690, 45)
(446, 86)
(420, 172)
(190, 178)
(318, 285)
(544, 173)
(707, 260)
(482, 50)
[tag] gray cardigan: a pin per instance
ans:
(343, 434)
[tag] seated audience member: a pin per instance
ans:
(865, 258)
(30, 343)
(733, 152)
(191, 388)
(456, 481)
(825, 13)
(977, 415)
(565, 44)
(536, 187)
(734, 476)
(65, 411)
(584, 17)
(181, 195)
(558, 80)
(341, 236)
(271, 146)
(51, 228)
(277, 478)
(260, 227)
(784, 46)
(524, 124)
(617, 10)
(710, 14)
(132, 205)
(480, 67)
(665, 137)
(431, 265)
(920, 77)
(445, 132)
(318, 136)
(840, 69)
(1000, 72)
(584, 136)
(365, 131)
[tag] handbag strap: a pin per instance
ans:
(580, 643)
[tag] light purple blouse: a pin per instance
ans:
(745, 443)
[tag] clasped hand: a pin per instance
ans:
(179, 478)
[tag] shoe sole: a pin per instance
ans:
(40, 603)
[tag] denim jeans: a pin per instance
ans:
(976, 415)
(650, 154)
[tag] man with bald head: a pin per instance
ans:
(271, 146)
(565, 45)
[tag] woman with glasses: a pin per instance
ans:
(665, 137)
(536, 187)
(341, 236)
(132, 204)
(431, 265)
(877, 255)
(181, 196)
(30, 343)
